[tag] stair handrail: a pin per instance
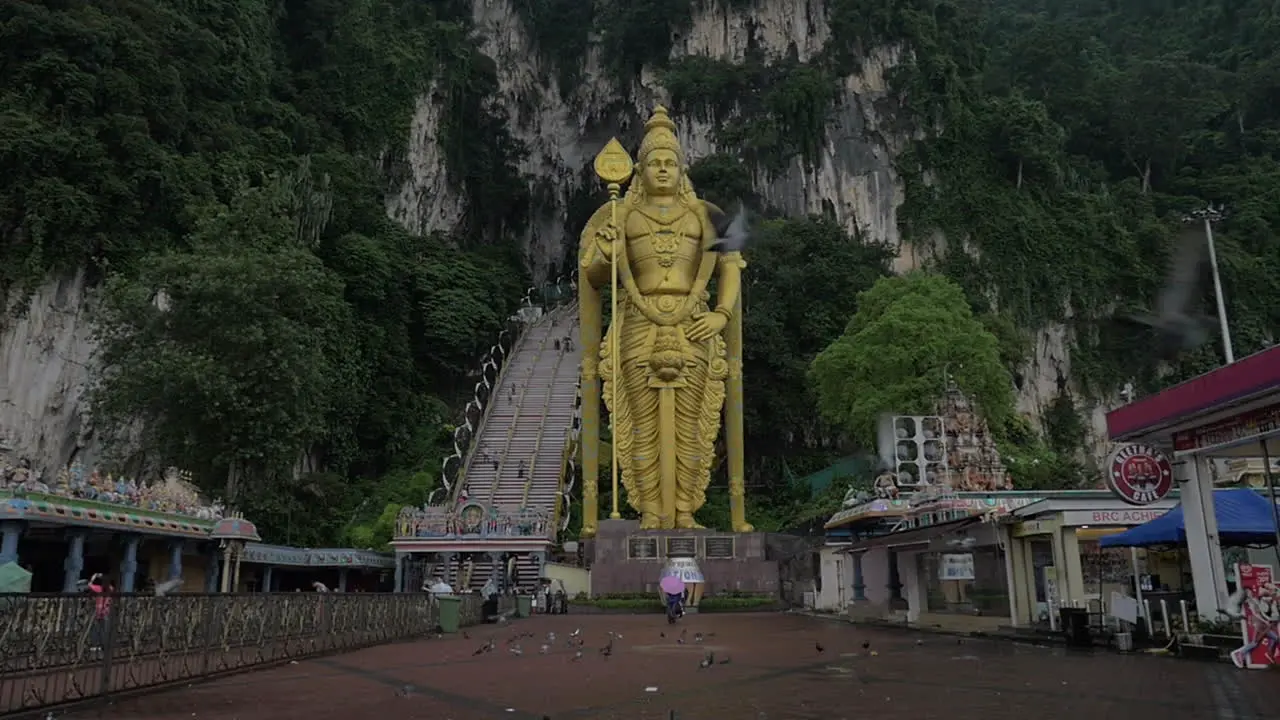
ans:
(515, 420)
(542, 426)
(569, 465)
(451, 498)
(491, 363)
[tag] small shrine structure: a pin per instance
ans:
(139, 535)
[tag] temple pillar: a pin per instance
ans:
(10, 534)
(342, 580)
(498, 570)
(859, 586)
(175, 560)
(211, 572)
(895, 578)
(129, 564)
(73, 566)
(1195, 482)
(447, 562)
(399, 576)
(268, 576)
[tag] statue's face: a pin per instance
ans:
(661, 172)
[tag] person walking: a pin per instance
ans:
(101, 588)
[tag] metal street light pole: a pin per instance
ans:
(1227, 349)
(1209, 216)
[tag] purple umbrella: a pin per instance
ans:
(672, 585)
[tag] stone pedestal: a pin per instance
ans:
(626, 559)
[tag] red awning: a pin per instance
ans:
(1219, 388)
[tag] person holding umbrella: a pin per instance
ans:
(673, 587)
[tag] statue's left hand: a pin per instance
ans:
(706, 325)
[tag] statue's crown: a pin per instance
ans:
(660, 134)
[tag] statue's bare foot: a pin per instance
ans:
(685, 521)
(744, 528)
(649, 521)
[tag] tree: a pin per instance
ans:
(909, 335)
(802, 282)
(231, 354)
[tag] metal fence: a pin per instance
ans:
(64, 649)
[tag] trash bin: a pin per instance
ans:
(524, 606)
(450, 607)
(1124, 642)
(1075, 626)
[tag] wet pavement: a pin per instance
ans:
(764, 666)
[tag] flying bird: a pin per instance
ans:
(168, 586)
(1177, 327)
(732, 234)
(885, 441)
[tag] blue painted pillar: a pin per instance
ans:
(175, 559)
(859, 587)
(450, 559)
(73, 566)
(129, 565)
(211, 572)
(342, 580)
(499, 570)
(268, 578)
(10, 533)
(399, 580)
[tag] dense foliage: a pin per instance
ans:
(223, 167)
(912, 336)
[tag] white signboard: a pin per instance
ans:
(957, 566)
(1127, 517)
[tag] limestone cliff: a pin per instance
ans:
(48, 352)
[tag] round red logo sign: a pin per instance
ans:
(1139, 474)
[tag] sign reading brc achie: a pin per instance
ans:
(1139, 474)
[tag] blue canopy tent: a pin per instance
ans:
(1245, 517)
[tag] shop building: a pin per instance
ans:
(997, 561)
(1056, 560)
(1231, 413)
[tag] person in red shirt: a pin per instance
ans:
(100, 587)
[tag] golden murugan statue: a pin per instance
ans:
(678, 355)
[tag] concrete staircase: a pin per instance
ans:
(474, 574)
(518, 455)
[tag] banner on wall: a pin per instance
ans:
(1258, 601)
(956, 566)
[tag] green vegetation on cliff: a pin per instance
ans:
(222, 170)
(223, 167)
(1057, 146)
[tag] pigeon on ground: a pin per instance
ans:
(708, 660)
(818, 646)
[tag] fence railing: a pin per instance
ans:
(64, 649)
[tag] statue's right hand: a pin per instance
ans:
(605, 238)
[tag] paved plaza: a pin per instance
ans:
(764, 666)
